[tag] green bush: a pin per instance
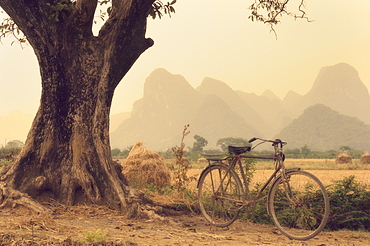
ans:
(4, 152)
(349, 205)
(258, 213)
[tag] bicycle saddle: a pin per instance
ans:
(238, 150)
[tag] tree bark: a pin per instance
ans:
(67, 152)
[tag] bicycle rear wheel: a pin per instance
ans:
(219, 195)
(299, 205)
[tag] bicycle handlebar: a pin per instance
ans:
(276, 141)
(252, 140)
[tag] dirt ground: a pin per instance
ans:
(69, 225)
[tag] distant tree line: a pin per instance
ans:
(198, 149)
(11, 149)
(306, 153)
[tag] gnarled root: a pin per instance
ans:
(10, 198)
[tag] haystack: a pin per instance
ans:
(343, 158)
(365, 158)
(146, 165)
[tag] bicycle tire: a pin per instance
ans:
(219, 195)
(300, 207)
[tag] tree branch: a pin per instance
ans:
(33, 15)
(124, 32)
(121, 12)
(273, 10)
(11, 6)
(86, 10)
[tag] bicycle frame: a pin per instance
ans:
(236, 160)
(223, 191)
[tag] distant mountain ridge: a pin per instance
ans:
(157, 119)
(220, 89)
(323, 129)
(340, 88)
(169, 103)
(214, 110)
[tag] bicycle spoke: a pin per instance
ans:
(297, 200)
(219, 194)
(299, 205)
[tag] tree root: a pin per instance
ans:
(139, 207)
(11, 198)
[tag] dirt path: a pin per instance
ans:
(67, 226)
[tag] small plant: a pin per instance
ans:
(181, 165)
(94, 237)
(248, 169)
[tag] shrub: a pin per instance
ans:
(349, 204)
(258, 213)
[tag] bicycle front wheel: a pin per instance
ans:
(299, 205)
(220, 195)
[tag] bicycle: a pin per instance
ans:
(297, 201)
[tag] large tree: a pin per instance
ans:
(67, 152)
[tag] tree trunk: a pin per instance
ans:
(67, 153)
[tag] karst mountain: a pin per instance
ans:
(215, 111)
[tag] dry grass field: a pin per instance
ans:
(326, 176)
(324, 169)
(315, 164)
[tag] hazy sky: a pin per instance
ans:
(215, 38)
